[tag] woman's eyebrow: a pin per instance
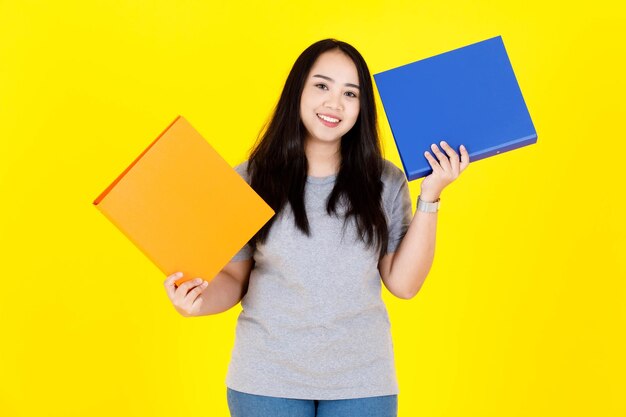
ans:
(330, 79)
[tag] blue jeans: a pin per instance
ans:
(242, 404)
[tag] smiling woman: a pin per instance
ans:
(313, 326)
(313, 338)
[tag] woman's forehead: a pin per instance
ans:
(336, 65)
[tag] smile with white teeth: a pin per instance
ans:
(328, 119)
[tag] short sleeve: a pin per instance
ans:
(400, 215)
(247, 250)
(243, 254)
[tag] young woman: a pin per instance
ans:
(313, 338)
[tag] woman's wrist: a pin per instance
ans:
(428, 197)
(427, 206)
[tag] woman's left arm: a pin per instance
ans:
(405, 270)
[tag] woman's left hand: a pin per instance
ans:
(445, 170)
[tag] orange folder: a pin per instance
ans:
(183, 205)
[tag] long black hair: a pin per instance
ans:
(277, 165)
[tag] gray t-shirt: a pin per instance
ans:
(313, 324)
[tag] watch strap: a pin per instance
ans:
(427, 207)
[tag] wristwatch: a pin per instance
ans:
(428, 207)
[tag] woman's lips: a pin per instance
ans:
(327, 123)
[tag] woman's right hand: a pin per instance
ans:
(185, 298)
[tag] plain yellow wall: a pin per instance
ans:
(524, 310)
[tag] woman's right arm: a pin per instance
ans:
(227, 288)
(197, 297)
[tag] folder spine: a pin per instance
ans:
(482, 154)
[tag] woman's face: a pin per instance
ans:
(329, 105)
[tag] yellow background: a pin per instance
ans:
(524, 310)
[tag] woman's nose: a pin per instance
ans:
(333, 102)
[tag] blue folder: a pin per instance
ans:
(466, 96)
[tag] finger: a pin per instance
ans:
(443, 160)
(454, 157)
(191, 297)
(196, 304)
(172, 278)
(465, 159)
(433, 162)
(170, 288)
(449, 150)
(185, 287)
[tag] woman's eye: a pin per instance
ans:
(325, 87)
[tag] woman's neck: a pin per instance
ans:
(324, 159)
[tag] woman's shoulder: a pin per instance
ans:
(392, 174)
(242, 170)
(394, 183)
(242, 166)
